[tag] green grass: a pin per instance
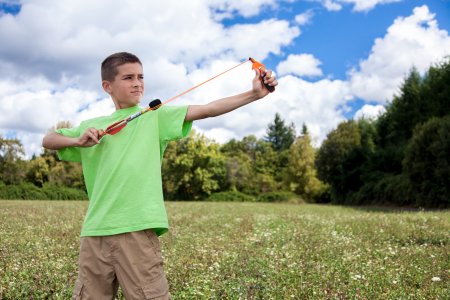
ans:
(245, 251)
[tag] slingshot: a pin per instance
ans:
(155, 104)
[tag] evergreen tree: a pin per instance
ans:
(395, 127)
(427, 163)
(401, 160)
(435, 91)
(279, 135)
(305, 130)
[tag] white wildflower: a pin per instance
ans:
(436, 279)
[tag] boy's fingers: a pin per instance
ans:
(271, 80)
(268, 76)
(93, 134)
(95, 137)
(257, 73)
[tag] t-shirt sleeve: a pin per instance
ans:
(69, 153)
(172, 125)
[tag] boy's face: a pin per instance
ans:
(127, 88)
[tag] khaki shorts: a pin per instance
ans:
(132, 260)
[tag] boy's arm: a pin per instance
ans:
(56, 141)
(225, 105)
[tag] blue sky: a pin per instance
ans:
(335, 59)
(340, 39)
(348, 33)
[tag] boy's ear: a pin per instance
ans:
(106, 86)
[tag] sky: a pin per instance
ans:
(334, 59)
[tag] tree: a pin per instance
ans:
(240, 173)
(427, 163)
(305, 130)
(267, 167)
(279, 135)
(255, 162)
(12, 164)
(301, 174)
(63, 173)
(69, 174)
(396, 125)
(38, 171)
(239, 161)
(192, 168)
(248, 145)
(401, 158)
(435, 90)
(334, 159)
(420, 99)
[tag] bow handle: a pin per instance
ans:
(256, 65)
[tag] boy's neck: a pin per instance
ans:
(123, 106)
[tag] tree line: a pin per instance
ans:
(401, 158)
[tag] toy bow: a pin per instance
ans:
(256, 65)
(155, 104)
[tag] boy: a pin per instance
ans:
(126, 213)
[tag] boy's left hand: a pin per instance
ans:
(258, 87)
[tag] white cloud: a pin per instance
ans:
(358, 5)
(36, 111)
(248, 8)
(304, 18)
(331, 5)
(370, 111)
(271, 35)
(366, 5)
(300, 65)
(320, 105)
(50, 73)
(29, 114)
(411, 41)
(219, 135)
(179, 31)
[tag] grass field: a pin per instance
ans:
(245, 251)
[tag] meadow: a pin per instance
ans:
(245, 251)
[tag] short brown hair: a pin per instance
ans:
(110, 64)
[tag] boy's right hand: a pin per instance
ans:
(90, 137)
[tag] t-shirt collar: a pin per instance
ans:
(126, 111)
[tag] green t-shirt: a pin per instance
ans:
(123, 172)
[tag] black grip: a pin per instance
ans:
(154, 104)
(269, 87)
